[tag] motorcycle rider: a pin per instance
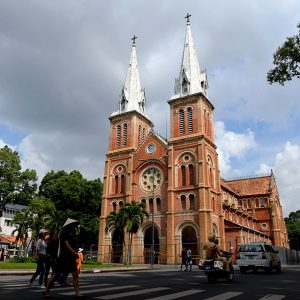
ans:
(210, 247)
(213, 251)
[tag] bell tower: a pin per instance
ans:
(194, 182)
(129, 127)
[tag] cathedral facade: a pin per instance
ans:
(178, 179)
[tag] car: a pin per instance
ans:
(254, 256)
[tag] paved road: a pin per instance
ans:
(165, 284)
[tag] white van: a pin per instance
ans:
(256, 256)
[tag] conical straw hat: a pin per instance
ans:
(70, 221)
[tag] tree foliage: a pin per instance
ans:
(130, 217)
(293, 228)
(75, 197)
(16, 186)
(286, 60)
(24, 221)
(61, 195)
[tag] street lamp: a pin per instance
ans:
(152, 213)
(152, 244)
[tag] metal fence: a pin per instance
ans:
(118, 254)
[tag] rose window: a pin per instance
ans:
(151, 179)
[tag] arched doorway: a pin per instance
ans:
(189, 240)
(148, 243)
(117, 247)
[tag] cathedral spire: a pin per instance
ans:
(132, 97)
(191, 80)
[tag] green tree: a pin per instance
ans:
(15, 186)
(48, 217)
(130, 217)
(24, 221)
(286, 60)
(293, 228)
(75, 197)
(136, 213)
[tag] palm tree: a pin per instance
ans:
(24, 221)
(131, 216)
(136, 213)
(117, 221)
(54, 220)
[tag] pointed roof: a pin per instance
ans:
(132, 97)
(191, 80)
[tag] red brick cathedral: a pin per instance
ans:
(179, 179)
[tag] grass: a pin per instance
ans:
(7, 265)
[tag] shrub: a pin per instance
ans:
(22, 259)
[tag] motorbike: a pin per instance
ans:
(214, 270)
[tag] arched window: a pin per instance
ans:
(144, 203)
(215, 229)
(211, 172)
(190, 119)
(114, 205)
(208, 124)
(183, 202)
(151, 205)
(120, 204)
(185, 86)
(118, 136)
(139, 134)
(144, 133)
(183, 176)
(125, 134)
(158, 206)
(191, 174)
(192, 201)
(181, 121)
(211, 175)
(116, 184)
(205, 122)
(213, 204)
(123, 183)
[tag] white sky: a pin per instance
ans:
(63, 64)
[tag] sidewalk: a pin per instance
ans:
(5, 272)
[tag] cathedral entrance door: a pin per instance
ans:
(189, 240)
(117, 247)
(148, 243)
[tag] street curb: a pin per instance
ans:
(83, 271)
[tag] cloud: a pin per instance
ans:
(3, 143)
(287, 173)
(63, 65)
(231, 145)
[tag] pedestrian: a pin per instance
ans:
(51, 255)
(40, 259)
(66, 261)
(189, 260)
(79, 260)
(183, 258)
(2, 253)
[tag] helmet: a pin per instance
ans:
(212, 237)
(42, 231)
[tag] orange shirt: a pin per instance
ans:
(79, 260)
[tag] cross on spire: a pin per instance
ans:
(188, 18)
(133, 39)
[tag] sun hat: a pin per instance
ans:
(70, 221)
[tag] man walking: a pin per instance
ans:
(41, 256)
